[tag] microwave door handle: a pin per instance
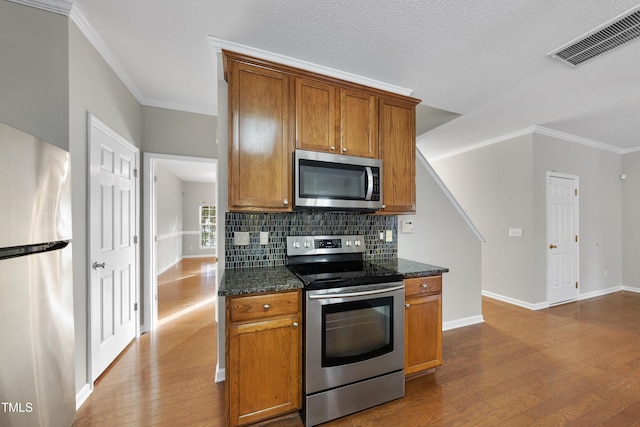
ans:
(369, 182)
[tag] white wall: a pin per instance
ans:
(504, 185)
(631, 220)
(93, 87)
(169, 219)
(194, 193)
(443, 238)
(34, 68)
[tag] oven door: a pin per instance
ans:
(353, 334)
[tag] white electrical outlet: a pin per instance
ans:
(241, 238)
(382, 235)
(515, 232)
(264, 237)
(389, 236)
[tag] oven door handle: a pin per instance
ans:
(369, 182)
(356, 294)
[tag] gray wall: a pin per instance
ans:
(443, 238)
(178, 132)
(34, 69)
(168, 219)
(94, 88)
(631, 220)
(494, 186)
(194, 193)
(600, 207)
(504, 185)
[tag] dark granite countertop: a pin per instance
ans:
(410, 268)
(240, 281)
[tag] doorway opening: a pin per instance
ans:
(181, 231)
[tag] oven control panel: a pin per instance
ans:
(319, 245)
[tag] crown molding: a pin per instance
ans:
(540, 130)
(61, 7)
(218, 45)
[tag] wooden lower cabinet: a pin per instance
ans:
(422, 324)
(263, 357)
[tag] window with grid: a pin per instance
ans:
(207, 225)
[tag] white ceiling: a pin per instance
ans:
(484, 60)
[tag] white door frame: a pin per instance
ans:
(93, 121)
(150, 288)
(576, 182)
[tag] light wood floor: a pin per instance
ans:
(577, 365)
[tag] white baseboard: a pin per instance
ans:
(527, 305)
(220, 374)
(631, 289)
(600, 292)
(83, 395)
(460, 323)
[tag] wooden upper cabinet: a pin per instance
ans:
(315, 115)
(358, 123)
(335, 120)
(398, 154)
(260, 142)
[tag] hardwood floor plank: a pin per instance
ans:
(575, 364)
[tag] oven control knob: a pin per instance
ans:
(296, 244)
(307, 244)
(358, 242)
(348, 243)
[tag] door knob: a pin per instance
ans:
(97, 265)
(552, 246)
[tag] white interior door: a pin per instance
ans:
(112, 243)
(562, 238)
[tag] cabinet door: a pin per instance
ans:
(264, 361)
(315, 115)
(358, 124)
(260, 144)
(398, 154)
(423, 333)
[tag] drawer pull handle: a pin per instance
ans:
(266, 307)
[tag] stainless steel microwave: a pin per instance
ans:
(334, 181)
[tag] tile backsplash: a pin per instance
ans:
(304, 223)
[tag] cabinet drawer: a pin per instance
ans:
(423, 285)
(263, 306)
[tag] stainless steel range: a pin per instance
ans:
(354, 327)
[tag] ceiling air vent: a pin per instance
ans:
(610, 35)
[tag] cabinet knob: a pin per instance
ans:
(424, 286)
(407, 305)
(295, 324)
(344, 149)
(333, 147)
(266, 307)
(285, 202)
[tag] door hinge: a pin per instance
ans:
(576, 237)
(576, 285)
(135, 306)
(575, 191)
(155, 178)
(135, 240)
(135, 173)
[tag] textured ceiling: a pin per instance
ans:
(484, 60)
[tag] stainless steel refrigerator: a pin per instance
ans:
(37, 369)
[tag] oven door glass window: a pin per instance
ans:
(357, 330)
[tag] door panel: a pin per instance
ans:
(112, 250)
(562, 239)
